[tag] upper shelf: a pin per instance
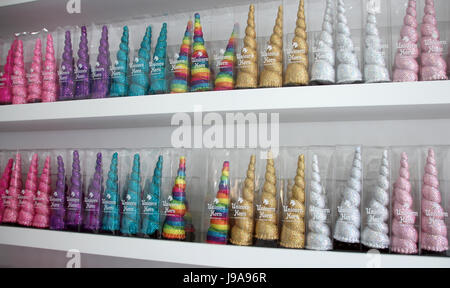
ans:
(205, 254)
(387, 101)
(26, 15)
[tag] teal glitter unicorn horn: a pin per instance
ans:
(130, 208)
(150, 203)
(119, 85)
(110, 199)
(158, 71)
(140, 82)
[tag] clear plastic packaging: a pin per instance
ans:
(348, 195)
(74, 197)
(296, 48)
(159, 65)
(6, 71)
(66, 55)
(61, 161)
(150, 200)
(119, 39)
(100, 61)
(83, 45)
(8, 191)
(243, 194)
(267, 203)
(130, 163)
(375, 232)
(434, 216)
(320, 198)
(406, 199)
(270, 42)
(348, 42)
(110, 207)
(377, 41)
(293, 197)
(93, 189)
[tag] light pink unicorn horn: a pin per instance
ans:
(42, 200)
(12, 194)
(433, 64)
(406, 68)
(404, 234)
(50, 76)
(19, 80)
(434, 231)
(26, 207)
(35, 76)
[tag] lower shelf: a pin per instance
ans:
(205, 254)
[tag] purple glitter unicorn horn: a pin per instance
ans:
(74, 199)
(100, 77)
(82, 88)
(58, 199)
(67, 76)
(92, 201)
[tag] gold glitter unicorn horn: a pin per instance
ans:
(266, 224)
(293, 230)
(272, 74)
(297, 69)
(247, 76)
(242, 231)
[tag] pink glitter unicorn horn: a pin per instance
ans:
(6, 85)
(433, 64)
(4, 185)
(26, 207)
(11, 198)
(42, 201)
(434, 231)
(49, 75)
(35, 78)
(404, 234)
(19, 80)
(406, 68)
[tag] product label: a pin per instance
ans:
(295, 55)
(73, 203)
(404, 215)
(346, 214)
(39, 201)
(22, 198)
(157, 68)
(91, 204)
(269, 56)
(81, 74)
(212, 209)
(108, 204)
(434, 216)
(48, 76)
(319, 214)
(56, 202)
(265, 213)
(129, 207)
(240, 210)
(98, 72)
(200, 62)
(166, 205)
(149, 206)
(244, 60)
(292, 214)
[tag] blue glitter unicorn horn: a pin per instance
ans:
(130, 209)
(150, 203)
(119, 85)
(140, 82)
(158, 71)
(110, 199)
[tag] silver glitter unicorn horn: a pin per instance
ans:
(347, 71)
(322, 71)
(375, 70)
(375, 233)
(319, 236)
(349, 220)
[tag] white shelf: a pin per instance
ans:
(204, 254)
(387, 101)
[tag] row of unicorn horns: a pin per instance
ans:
(392, 220)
